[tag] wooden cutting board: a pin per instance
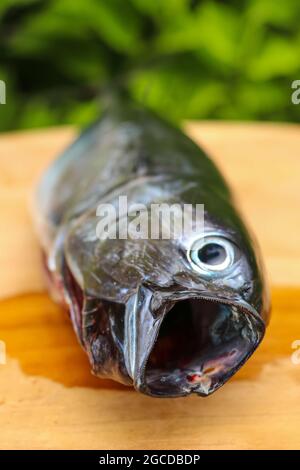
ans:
(48, 399)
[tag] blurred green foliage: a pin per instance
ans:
(183, 58)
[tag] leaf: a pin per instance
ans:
(265, 12)
(114, 22)
(5, 5)
(212, 29)
(263, 98)
(37, 113)
(180, 89)
(278, 57)
(161, 10)
(83, 114)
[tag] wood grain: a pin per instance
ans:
(48, 399)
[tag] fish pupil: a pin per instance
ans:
(212, 254)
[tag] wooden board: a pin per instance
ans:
(48, 399)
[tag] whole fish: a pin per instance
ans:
(169, 316)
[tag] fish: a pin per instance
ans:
(170, 317)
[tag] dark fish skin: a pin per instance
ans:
(144, 316)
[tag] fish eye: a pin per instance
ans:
(212, 253)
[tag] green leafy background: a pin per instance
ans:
(183, 58)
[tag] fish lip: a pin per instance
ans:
(140, 382)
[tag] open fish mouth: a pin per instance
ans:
(195, 344)
(200, 345)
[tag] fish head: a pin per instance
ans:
(172, 317)
(193, 334)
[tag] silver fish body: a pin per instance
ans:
(149, 312)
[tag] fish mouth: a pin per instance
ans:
(200, 344)
(186, 345)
